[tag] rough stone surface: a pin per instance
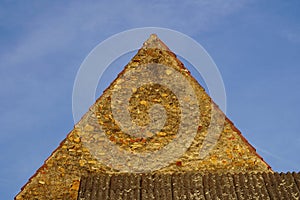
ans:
(59, 177)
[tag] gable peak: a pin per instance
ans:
(155, 43)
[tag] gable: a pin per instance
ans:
(194, 136)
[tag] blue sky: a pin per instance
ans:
(255, 44)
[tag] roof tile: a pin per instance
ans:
(190, 185)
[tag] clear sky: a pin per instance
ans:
(255, 44)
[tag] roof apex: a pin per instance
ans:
(154, 42)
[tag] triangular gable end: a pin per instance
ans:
(83, 150)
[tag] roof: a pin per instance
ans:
(88, 147)
(193, 185)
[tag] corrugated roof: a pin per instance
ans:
(190, 185)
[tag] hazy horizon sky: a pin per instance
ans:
(255, 44)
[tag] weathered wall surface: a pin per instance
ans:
(79, 153)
